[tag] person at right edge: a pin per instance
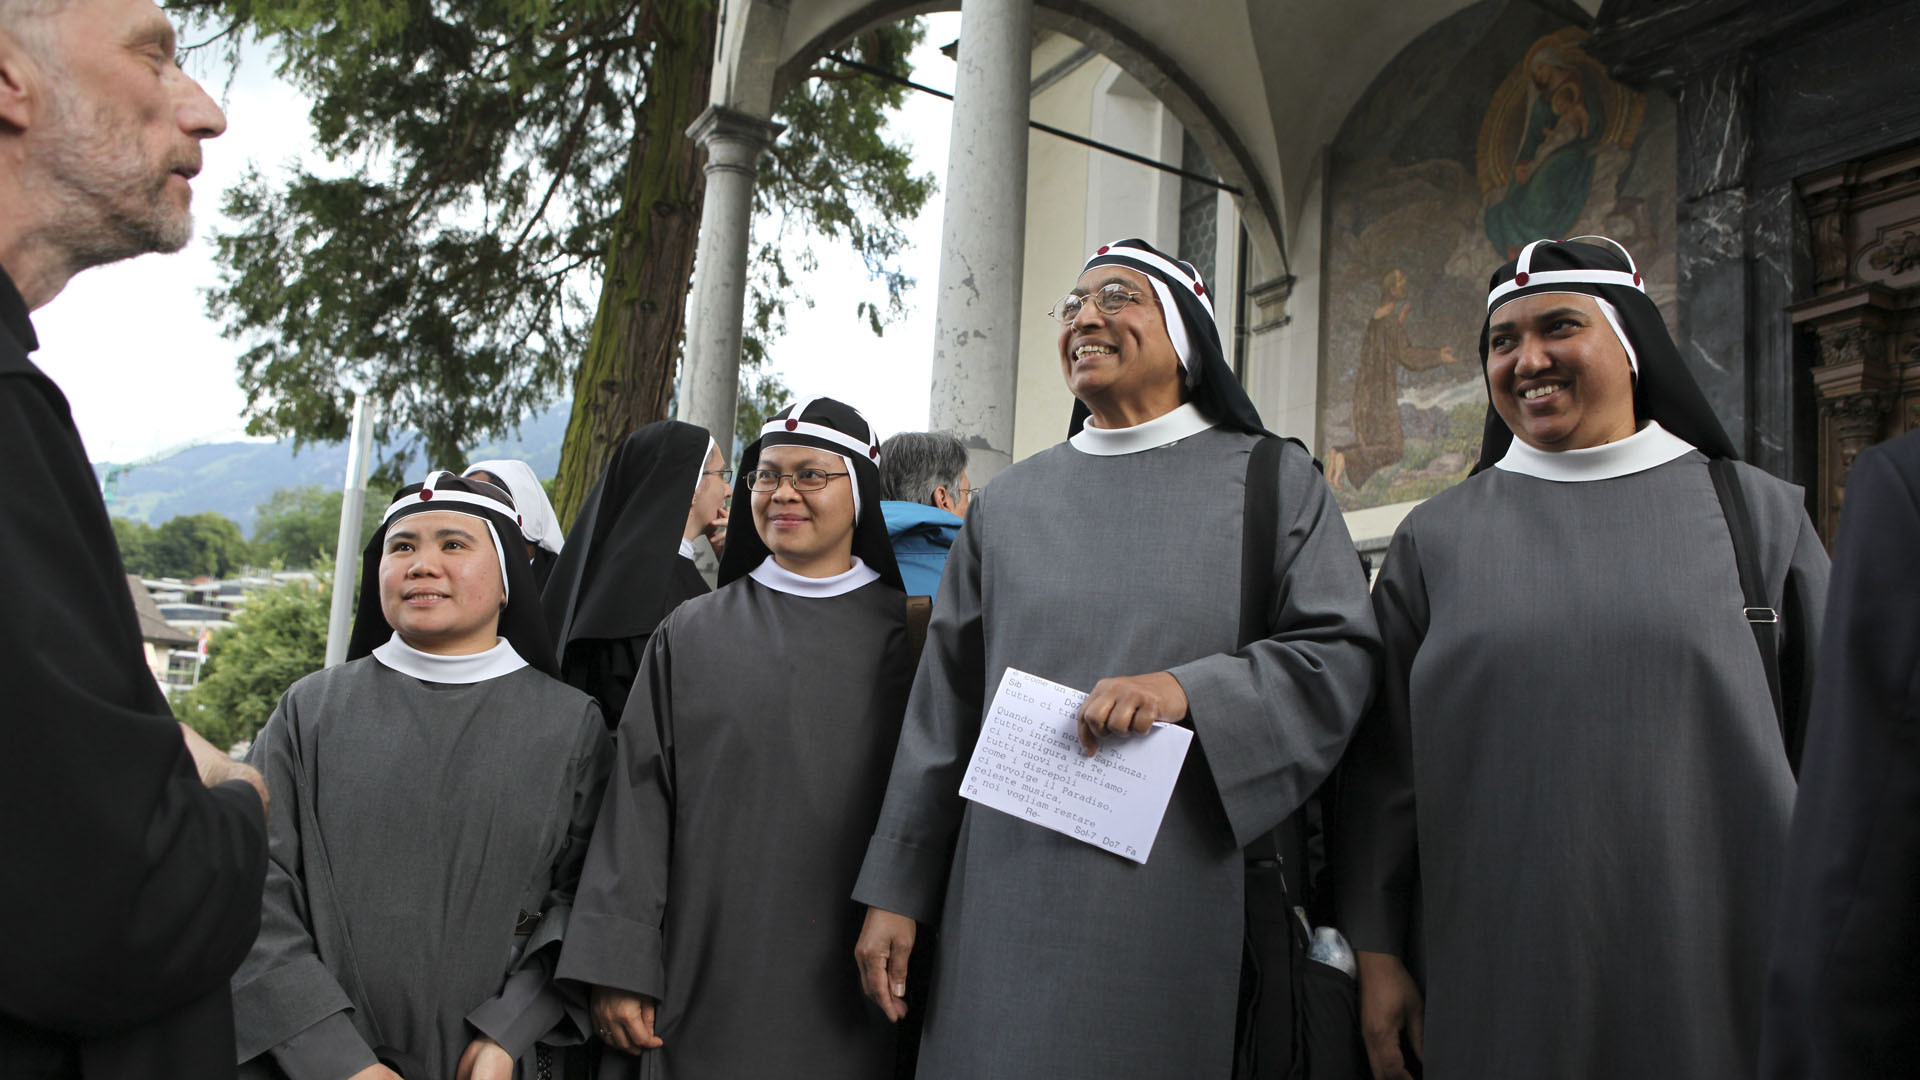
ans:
(1843, 992)
(1111, 562)
(131, 851)
(1563, 820)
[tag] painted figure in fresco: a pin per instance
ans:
(1378, 439)
(1553, 164)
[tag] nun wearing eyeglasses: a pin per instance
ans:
(714, 919)
(1111, 563)
(1564, 819)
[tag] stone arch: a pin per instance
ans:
(774, 69)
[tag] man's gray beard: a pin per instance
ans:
(110, 206)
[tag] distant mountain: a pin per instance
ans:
(234, 478)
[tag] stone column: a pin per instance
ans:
(710, 378)
(976, 348)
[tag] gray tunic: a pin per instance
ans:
(1056, 959)
(1575, 707)
(752, 757)
(414, 825)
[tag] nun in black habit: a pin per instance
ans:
(1566, 809)
(713, 918)
(631, 558)
(435, 794)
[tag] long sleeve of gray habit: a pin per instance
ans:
(285, 1001)
(530, 1006)
(1376, 864)
(613, 932)
(1275, 716)
(912, 848)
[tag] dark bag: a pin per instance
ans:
(1298, 1019)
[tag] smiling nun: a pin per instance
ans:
(1574, 785)
(714, 921)
(1109, 562)
(436, 792)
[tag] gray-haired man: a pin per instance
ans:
(134, 851)
(923, 475)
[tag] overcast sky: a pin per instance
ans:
(146, 370)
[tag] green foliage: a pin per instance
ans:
(134, 538)
(277, 638)
(300, 527)
(446, 259)
(761, 395)
(186, 546)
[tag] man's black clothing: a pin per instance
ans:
(1843, 990)
(128, 891)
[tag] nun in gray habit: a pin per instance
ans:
(1564, 819)
(1111, 562)
(431, 814)
(713, 920)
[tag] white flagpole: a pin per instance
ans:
(353, 501)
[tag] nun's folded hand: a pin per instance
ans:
(484, 1060)
(625, 1021)
(1392, 1015)
(1129, 705)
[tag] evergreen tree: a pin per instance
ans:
(510, 189)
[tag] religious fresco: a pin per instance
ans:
(1491, 129)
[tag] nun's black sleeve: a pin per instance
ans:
(129, 891)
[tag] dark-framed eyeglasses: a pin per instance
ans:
(765, 480)
(1109, 298)
(725, 475)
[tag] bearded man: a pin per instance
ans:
(131, 851)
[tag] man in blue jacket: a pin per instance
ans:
(923, 476)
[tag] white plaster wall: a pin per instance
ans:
(1125, 198)
(1283, 362)
(1057, 184)
(1222, 288)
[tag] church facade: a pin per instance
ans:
(1346, 174)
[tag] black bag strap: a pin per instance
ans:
(1260, 524)
(1760, 614)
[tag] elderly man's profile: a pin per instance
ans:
(134, 851)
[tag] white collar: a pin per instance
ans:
(686, 548)
(1650, 446)
(432, 667)
(1159, 431)
(780, 579)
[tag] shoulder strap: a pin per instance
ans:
(1260, 521)
(919, 611)
(1259, 524)
(1761, 616)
